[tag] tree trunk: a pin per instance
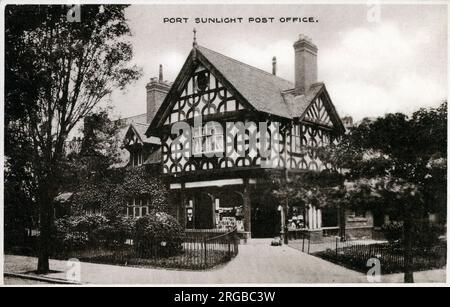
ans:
(408, 247)
(342, 222)
(45, 227)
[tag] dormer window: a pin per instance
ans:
(207, 139)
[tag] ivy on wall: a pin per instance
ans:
(145, 181)
(112, 194)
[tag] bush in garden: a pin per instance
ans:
(116, 231)
(158, 234)
(393, 231)
(80, 231)
(425, 234)
(74, 241)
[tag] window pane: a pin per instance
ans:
(144, 211)
(197, 146)
(174, 117)
(218, 143)
(137, 212)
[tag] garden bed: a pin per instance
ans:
(355, 257)
(191, 260)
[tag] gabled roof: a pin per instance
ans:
(260, 88)
(140, 118)
(263, 91)
(139, 130)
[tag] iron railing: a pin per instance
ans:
(182, 252)
(356, 253)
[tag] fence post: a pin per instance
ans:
(337, 240)
(205, 252)
(229, 245)
(303, 242)
(309, 241)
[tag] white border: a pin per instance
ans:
(231, 2)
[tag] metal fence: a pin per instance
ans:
(184, 252)
(355, 253)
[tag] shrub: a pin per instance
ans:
(425, 235)
(81, 231)
(116, 231)
(74, 241)
(393, 231)
(158, 234)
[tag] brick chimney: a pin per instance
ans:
(157, 90)
(305, 64)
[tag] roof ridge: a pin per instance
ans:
(141, 114)
(253, 67)
(136, 123)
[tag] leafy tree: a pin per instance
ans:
(397, 164)
(56, 72)
(91, 157)
(310, 188)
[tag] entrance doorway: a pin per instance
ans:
(266, 220)
(204, 217)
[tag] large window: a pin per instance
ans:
(207, 139)
(298, 141)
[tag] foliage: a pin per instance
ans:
(318, 189)
(162, 229)
(89, 158)
(56, 72)
(146, 180)
(88, 230)
(425, 235)
(354, 256)
(393, 231)
(398, 164)
(116, 231)
(76, 240)
(112, 193)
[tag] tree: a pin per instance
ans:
(56, 72)
(90, 157)
(309, 188)
(398, 164)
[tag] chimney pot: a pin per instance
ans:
(274, 66)
(161, 73)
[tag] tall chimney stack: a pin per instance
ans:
(274, 66)
(305, 64)
(157, 90)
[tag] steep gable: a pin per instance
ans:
(255, 89)
(136, 135)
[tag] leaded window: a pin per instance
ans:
(207, 139)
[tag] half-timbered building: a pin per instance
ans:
(223, 126)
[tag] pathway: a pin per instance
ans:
(257, 263)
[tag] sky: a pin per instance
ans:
(371, 66)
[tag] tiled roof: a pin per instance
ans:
(141, 129)
(141, 118)
(264, 91)
(298, 104)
